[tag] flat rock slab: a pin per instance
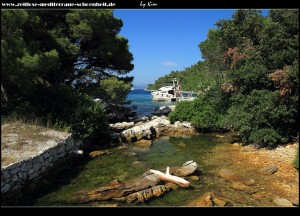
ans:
(269, 170)
(188, 168)
(228, 174)
(241, 187)
(282, 202)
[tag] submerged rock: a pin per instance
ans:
(144, 143)
(241, 187)
(130, 153)
(95, 154)
(137, 164)
(181, 144)
(163, 110)
(194, 178)
(228, 174)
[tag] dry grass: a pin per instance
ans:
(20, 140)
(24, 131)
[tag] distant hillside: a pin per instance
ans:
(195, 78)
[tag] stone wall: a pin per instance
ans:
(16, 177)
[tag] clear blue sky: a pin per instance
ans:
(165, 40)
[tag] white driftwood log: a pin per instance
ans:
(171, 178)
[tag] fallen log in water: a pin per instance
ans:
(170, 178)
(139, 189)
(119, 189)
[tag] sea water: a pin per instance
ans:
(143, 101)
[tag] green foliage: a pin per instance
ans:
(252, 65)
(252, 74)
(264, 137)
(205, 113)
(89, 119)
(212, 52)
(261, 109)
(54, 61)
(279, 39)
(207, 119)
(114, 91)
(195, 78)
(184, 111)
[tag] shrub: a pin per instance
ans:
(89, 119)
(264, 137)
(207, 119)
(261, 117)
(184, 111)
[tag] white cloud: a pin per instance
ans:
(169, 63)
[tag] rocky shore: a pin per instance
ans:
(252, 175)
(148, 128)
(247, 176)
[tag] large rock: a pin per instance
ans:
(282, 202)
(158, 126)
(139, 132)
(269, 170)
(187, 168)
(120, 126)
(163, 110)
(140, 119)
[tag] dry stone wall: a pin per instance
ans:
(16, 177)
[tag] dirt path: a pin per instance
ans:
(252, 187)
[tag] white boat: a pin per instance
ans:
(167, 93)
(172, 93)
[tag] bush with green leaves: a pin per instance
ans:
(184, 111)
(264, 137)
(261, 117)
(206, 113)
(89, 119)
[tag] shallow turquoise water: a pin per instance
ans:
(164, 152)
(143, 100)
